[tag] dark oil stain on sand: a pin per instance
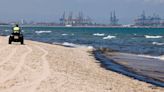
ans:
(141, 68)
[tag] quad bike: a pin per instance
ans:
(16, 37)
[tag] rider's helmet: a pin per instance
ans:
(16, 25)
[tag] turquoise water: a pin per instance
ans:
(145, 41)
(149, 41)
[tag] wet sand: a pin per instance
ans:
(151, 67)
(142, 67)
(41, 67)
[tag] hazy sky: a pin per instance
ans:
(99, 10)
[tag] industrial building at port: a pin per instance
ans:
(141, 21)
(154, 20)
(70, 19)
(79, 20)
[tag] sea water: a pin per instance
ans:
(145, 41)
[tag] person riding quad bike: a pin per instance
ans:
(16, 35)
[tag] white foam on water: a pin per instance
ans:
(153, 57)
(153, 37)
(77, 45)
(109, 37)
(99, 34)
(7, 36)
(73, 45)
(162, 57)
(40, 32)
(157, 43)
(90, 47)
(64, 34)
(56, 43)
(69, 44)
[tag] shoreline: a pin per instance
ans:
(118, 66)
(42, 67)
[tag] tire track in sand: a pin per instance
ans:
(32, 86)
(19, 66)
(4, 47)
(46, 71)
(9, 57)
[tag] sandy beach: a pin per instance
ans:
(41, 67)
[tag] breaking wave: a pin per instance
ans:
(157, 43)
(155, 37)
(99, 34)
(64, 34)
(40, 32)
(67, 44)
(109, 37)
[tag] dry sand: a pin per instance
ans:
(41, 67)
